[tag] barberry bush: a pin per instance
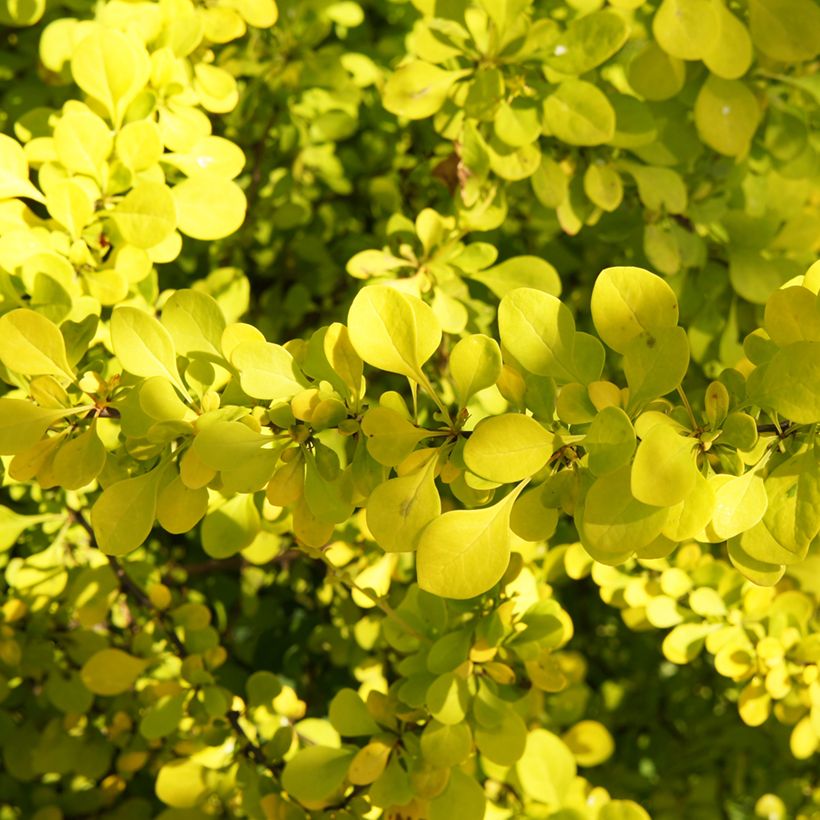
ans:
(410, 409)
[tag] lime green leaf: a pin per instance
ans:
(83, 142)
(603, 186)
(539, 331)
(610, 441)
(613, 523)
(14, 179)
(627, 301)
(179, 508)
(139, 144)
(475, 364)
(22, 12)
(663, 472)
(349, 715)
(147, 215)
(507, 448)
(547, 769)
(23, 424)
(785, 30)
(181, 784)
(143, 346)
(33, 345)
(687, 29)
(111, 672)
(463, 797)
(267, 371)
(445, 745)
(463, 553)
(731, 54)
(398, 510)
(691, 515)
(417, 89)
(726, 115)
(579, 113)
(655, 364)
(503, 742)
(80, 460)
(792, 382)
(656, 75)
(740, 503)
(390, 437)
(112, 68)
(123, 516)
(314, 775)
(520, 272)
(448, 699)
(12, 524)
(393, 331)
(590, 742)
(530, 519)
(209, 206)
(792, 315)
(685, 642)
(231, 527)
(71, 204)
(588, 41)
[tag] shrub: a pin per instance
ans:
(522, 521)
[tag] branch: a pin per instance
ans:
(130, 588)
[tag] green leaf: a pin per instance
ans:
(448, 699)
(209, 206)
(33, 345)
(314, 775)
(579, 113)
(111, 67)
(195, 321)
(123, 516)
(612, 523)
(590, 742)
(463, 797)
(627, 301)
(687, 29)
(180, 508)
(230, 528)
(792, 315)
(731, 54)
(417, 89)
(393, 331)
(181, 783)
(80, 460)
(475, 364)
(547, 768)
(445, 745)
(14, 181)
(610, 441)
(663, 472)
(588, 41)
(507, 448)
(83, 142)
(726, 115)
(690, 516)
(656, 75)
(390, 437)
(111, 672)
(143, 346)
(503, 742)
(23, 424)
(267, 371)
(785, 30)
(791, 382)
(349, 715)
(398, 510)
(463, 553)
(520, 272)
(655, 364)
(12, 525)
(539, 331)
(740, 503)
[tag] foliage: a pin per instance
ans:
(511, 526)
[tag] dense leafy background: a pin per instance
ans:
(555, 555)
